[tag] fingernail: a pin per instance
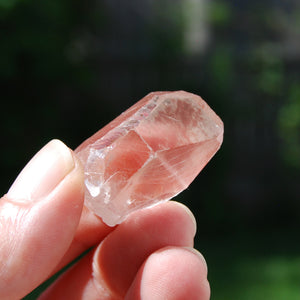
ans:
(98, 278)
(189, 213)
(199, 255)
(43, 173)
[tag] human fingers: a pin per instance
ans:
(38, 219)
(171, 273)
(108, 272)
(90, 232)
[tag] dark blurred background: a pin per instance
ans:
(69, 67)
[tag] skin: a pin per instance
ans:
(44, 225)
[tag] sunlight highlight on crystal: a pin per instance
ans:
(148, 154)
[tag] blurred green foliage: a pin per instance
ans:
(220, 13)
(289, 126)
(7, 4)
(242, 270)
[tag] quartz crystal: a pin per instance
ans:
(148, 154)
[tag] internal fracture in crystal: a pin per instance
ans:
(148, 154)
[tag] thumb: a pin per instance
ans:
(38, 219)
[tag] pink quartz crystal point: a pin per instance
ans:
(148, 154)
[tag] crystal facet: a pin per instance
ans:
(148, 154)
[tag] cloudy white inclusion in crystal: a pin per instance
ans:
(149, 154)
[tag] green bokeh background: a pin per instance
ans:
(69, 67)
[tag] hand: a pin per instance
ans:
(44, 225)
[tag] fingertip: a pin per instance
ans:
(142, 233)
(39, 216)
(200, 257)
(43, 173)
(187, 212)
(171, 273)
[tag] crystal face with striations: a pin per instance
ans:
(148, 154)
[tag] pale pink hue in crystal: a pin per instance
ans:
(148, 154)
